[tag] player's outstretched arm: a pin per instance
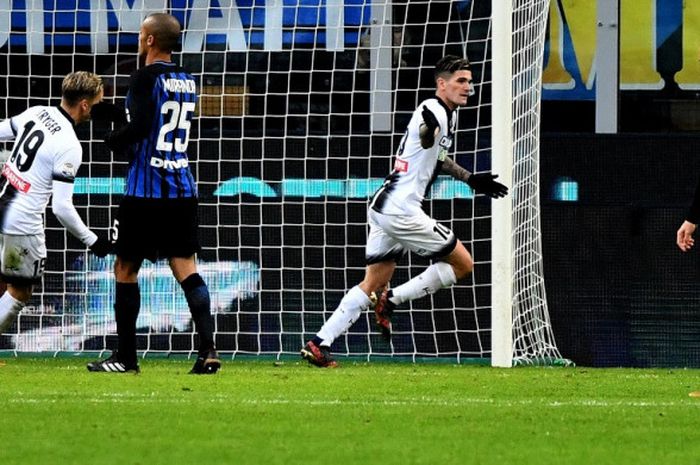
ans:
(453, 169)
(482, 183)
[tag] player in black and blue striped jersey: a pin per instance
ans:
(158, 215)
(159, 166)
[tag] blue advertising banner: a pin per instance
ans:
(102, 25)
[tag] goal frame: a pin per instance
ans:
(502, 163)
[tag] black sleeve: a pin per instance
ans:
(141, 110)
(694, 212)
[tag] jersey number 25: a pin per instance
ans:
(179, 119)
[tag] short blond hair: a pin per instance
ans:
(81, 85)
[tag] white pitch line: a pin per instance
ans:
(423, 401)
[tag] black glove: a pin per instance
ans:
(430, 120)
(483, 183)
(427, 133)
(113, 143)
(104, 111)
(102, 246)
(110, 140)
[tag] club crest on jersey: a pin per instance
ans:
(400, 165)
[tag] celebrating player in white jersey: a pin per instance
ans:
(44, 160)
(397, 222)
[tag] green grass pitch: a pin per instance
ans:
(52, 411)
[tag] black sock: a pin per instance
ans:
(127, 304)
(197, 295)
(317, 340)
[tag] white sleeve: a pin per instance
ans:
(62, 206)
(7, 130)
(66, 164)
(64, 171)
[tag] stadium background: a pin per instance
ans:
(619, 292)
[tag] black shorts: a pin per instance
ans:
(156, 228)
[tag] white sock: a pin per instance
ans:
(435, 277)
(9, 309)
(347, 313)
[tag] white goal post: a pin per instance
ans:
(521, 327)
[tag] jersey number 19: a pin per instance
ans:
(29, 145)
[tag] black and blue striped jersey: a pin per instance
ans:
(160, 105)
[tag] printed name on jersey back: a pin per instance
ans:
(50, 123)
(401, 165)
(14, 179)
(180, 85)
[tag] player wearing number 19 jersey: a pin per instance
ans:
(44, 161)
(158, 214)
(397, 222)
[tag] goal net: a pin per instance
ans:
(302, 105)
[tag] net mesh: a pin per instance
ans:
(533, 339)
(302, 104)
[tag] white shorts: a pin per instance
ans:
(22, 258)
(391, 236)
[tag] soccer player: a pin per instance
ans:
(43, 163)
(397, 222)
(158, 214)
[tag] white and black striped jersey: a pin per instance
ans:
(415, 168)
(44, 160)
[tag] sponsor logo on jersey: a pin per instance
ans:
(169, 164)
(14, 179)
(401, 165)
